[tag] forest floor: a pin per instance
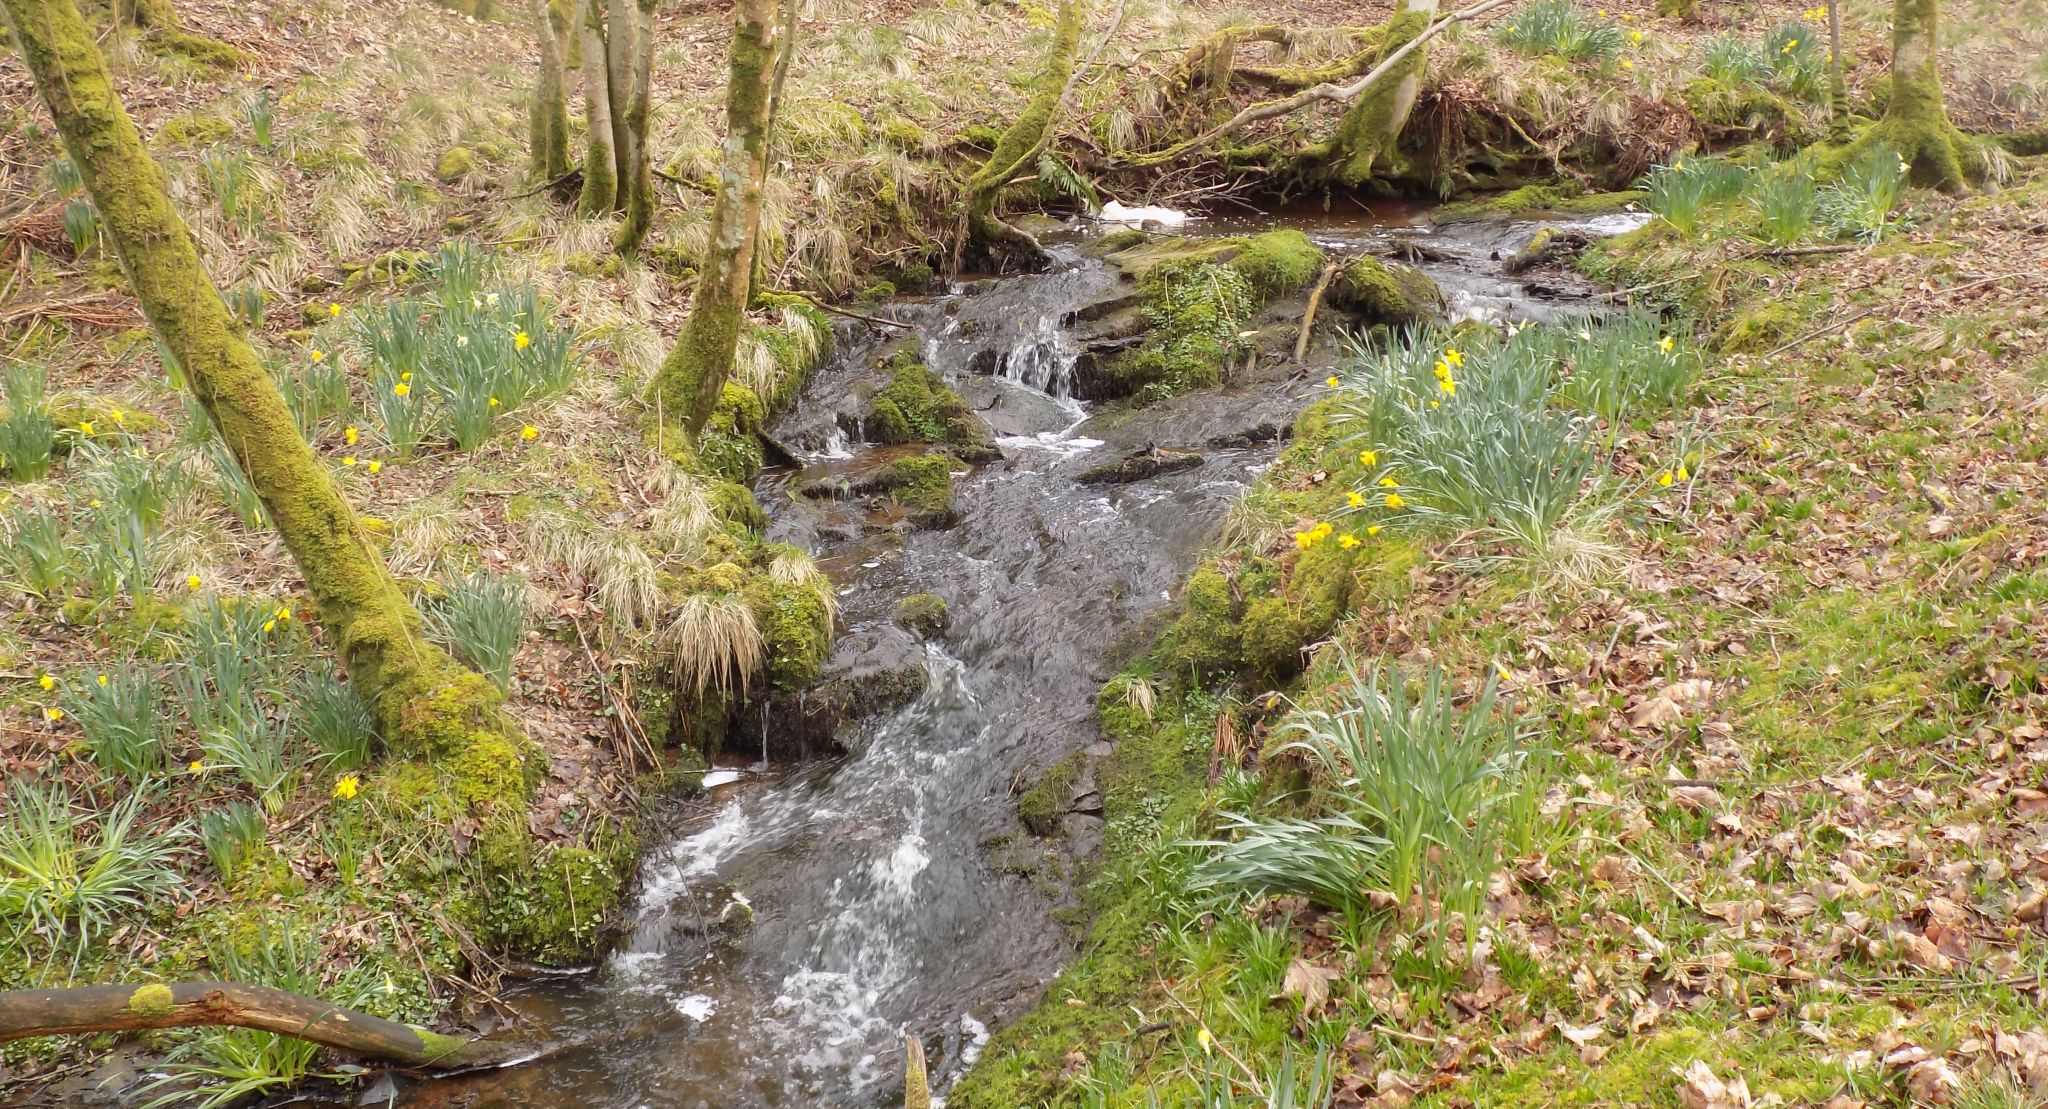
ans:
(324, 149)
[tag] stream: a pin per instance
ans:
(785, 940)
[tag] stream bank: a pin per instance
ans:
(857, 878)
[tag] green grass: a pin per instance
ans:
(1559, 27)
(70, 872)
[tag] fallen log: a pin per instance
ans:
(130, 1008)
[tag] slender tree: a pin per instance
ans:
(600, 151)
(1373, 122)
(637, 186)
(691, 378)
(425, 703)
(1021, 143)
(548, 115)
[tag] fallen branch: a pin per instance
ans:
(848, 313)
(552, 182)
(1333, 92)
(1308, 316)
(1820, 331)
(25, 1013)
(1804, 251)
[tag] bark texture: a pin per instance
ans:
(690, 380)
(600, 153)
(638, 185)
(133, 1008)
(1020, 145)
(548, 114)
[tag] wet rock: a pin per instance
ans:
(925, 614)
(1548, 247)
(1377, 292)
(872, 671)
(1258, 434)
(985, 362)
(1042, 806)
(1138, 466)
(1110, 305)
(1116, 369)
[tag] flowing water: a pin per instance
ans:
(786, 940)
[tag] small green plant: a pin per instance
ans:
(247, 301)
(231, 835)
(315, 390)
(1731, 60)
(65, 874)
(1680, 192)
(261, 112)
(1860, 204)
(81, 224)
(1794, 60)
(35, 553)
(65, 178)
(124, 729)
(1411, 785)
(1557, 27)
(1613, 366)
(227, 174)
(334, 719)
(1196, 313)
(28, 437)
(241, 738)
(235, 488)
(1786, 199)
(483, 618)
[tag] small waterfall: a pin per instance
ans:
(1044, 361)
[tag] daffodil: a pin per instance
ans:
(1372, 530)
(1627, 64)
(1395, 500)
(1388, 482)
(348, 460)
(1678, 167)
(529, 433)
(345, 787)
(269, 626)
(1331, 381)
(84, 427)
(349, 435)
(48, 682)
(400, 389)
(406, 376)
(1355, 499)
(1203, 1038)
(284, 612)
(1442, 370)
(333, 309)
(192, 582)
(1636, 37)
(1454, 357)
(375, 466)
(1665, 344)
(1448, 387)
(195, 766)
(119, 417)
(1304, 540)
(1368, 458)
(1790, 46)
(494, 402)
(521, 340)
(53, 715)
(1347, 541)
(103, 681)
(1683, 473)
(1664, 479)
(317, 355)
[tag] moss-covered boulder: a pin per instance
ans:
(1391, 293)
(1278, 263)
(455, 164)
(917, 407)
(1114, 374)
(1041, 806)
(921, 488)
(924, 613)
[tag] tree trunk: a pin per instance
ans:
(694, 373)
(25, 1013)
(548, 116)
(1916, 122)
(621, 54)
(1026, 138)
(639, 185)
(1373, 123)
(425, 704)
(600, 159)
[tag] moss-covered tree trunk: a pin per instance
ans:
(1372, 124)
(1020, 145)
(638, 184)
(1916, 122)
(621, 49)
(548, 115)
(687, 387)
(600, 156)
(426, 705)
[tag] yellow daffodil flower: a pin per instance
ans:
(1664, 479)
(1368, 458)
(1683, 473)
(400, 389)
(529, 433)
(48, 682)
(103, 681)
(349, 435)
(269, 626)
(1372, 530)
(348, 460)
(333, 309)
(1347, 541)
(345, 787)
(192, 582)
(1395, 500)
(494, 402)
(317, 355)
(1449, 387)
(1455, 357)
(84, 427)
(53, 715)
(375, 466)
(1665, 344)
(522, 340)
(195, 766)
(1331, 381)
(1388, 482)
(1355, 499)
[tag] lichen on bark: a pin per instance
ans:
(1916, 123)
(600, 166)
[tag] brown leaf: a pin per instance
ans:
(1699, 1088)
(1673, 702)
(1932, 1082)
(1311, 983)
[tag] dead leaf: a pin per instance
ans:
(1673, 702)
(1932, 1082)
(1699, 1088)
(1695, 798)
(1311, 983)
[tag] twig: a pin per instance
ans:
(1646, 288)
(621, 712)
(1820, 331)
(1308, 316)
(1249, 1076)
(849, 313)
(1804, 251)
(546, 185)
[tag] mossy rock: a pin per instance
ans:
(796, 630)
(1386, 293)
(1139, 260)
(917, 407)
(455, 164)
(1041, 806)
(1118, 374)
(1279, 262)
(924, 613)
(905, 135)
(193, 129)
(197, 49)
(552, 902)
(1205, 637)
(922, 487)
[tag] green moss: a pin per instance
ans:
(198, 49)
(1279, 262)
(796, 630)
(905, 135)
(1371, 124)
(922, 487)
(1386, 293)
(154, 1000)
(553, 902)
(1760, 327)
(456, 163)
(729, 447)
(1121, 240)
(1205, 638)
(917, 407)
(1041, 806)
(193, 129)
(923, 613)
